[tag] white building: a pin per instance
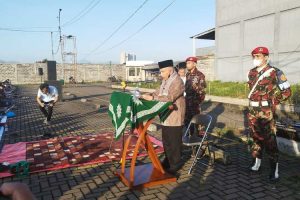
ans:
(141, 71)
(127, 57)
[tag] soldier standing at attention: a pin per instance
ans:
(268, 87)
(195, 91)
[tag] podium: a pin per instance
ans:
(145, 175)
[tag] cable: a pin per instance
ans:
(82, 13)
(58, 45)
(33, 27)
(57, 48)
(23, 30)
(119, 27)
(140, 29)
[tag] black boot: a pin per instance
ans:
(274, 176)
(173, 169)
(251, 164)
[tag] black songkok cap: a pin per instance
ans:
(165, 63)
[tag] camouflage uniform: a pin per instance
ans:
(269, 92)
(195, 93)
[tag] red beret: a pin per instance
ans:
(263, 50)
(194, 59)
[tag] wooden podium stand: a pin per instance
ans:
(138, 177)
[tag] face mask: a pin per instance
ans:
(256, 63)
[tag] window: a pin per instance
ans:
(138, 71)
(131, 71)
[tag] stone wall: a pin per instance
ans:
(28, 73)
(22, 73)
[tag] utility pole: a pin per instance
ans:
(52, 45)
(59, 27)
(61, 45)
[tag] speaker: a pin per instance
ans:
(51, 69)
(41, 73)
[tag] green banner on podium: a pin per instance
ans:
(126, 108)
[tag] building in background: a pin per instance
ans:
(127, 57)
(141, 71)
(206, 55)
(242, 25)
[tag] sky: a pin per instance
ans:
(97, 23)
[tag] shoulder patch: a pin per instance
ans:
(282, 77)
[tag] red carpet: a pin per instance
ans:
(58, 153)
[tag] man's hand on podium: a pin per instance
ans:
(147, 97)
(172, 107)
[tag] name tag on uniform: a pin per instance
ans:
(284, 85)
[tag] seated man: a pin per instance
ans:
(171, 90)
(47, 96)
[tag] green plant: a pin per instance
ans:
(228, 89)
(149, 85)
(295, 99)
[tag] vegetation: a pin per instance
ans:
(226, 89)
(149, 85)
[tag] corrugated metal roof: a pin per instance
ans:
(206, 35)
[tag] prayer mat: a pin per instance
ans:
(63, 152)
